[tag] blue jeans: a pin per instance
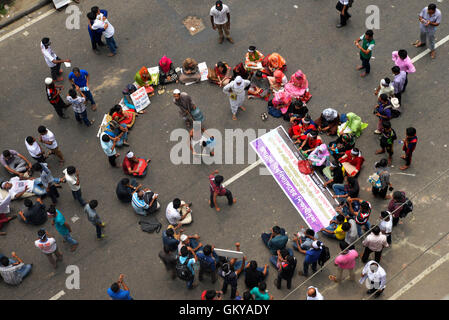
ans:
(111, 44)
(367, 225)
(123, 138)
(89, 97)
(82, 117)
(25, 270)
(77, 196)
(38, 189)
(329, 235)
(69, 239)
(306, 267)
(266, 236)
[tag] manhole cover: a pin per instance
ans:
(193, 24)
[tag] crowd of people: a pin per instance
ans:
(258, 76)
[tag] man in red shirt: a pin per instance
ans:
(310, 142)
(135, 166)
(345, 261)
(217, 190)
(54, 98)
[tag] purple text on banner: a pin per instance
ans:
(287, 185)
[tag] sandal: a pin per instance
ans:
(333, 278)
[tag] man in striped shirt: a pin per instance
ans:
(13, 272)
(361, 213)
(78, 105)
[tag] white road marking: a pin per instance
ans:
(405, 174)
(75, 218)
(58, 295)
(26, 25)
(429, 270)
(243, 172)
(422, 54)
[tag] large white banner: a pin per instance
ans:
(305, 195)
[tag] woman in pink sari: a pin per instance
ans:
(298, 87)
(167, 73)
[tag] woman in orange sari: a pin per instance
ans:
(274, 62)
(143, 79)
(127, 117)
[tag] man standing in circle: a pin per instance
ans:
(221, 20)
(52, 60)
(430, 19)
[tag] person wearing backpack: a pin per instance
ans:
(399, 206)
(230, 277)
(312, 257)
(184, 267)
(387, 139)
(382, 185)
(286, 270)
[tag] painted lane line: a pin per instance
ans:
(243, 172)
(425, 52)
(26, 25)
(58, 295)
(423, 274)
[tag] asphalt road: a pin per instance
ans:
(307, 38)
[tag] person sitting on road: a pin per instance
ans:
(334, 230)
(254, 275)
(303, 242)
(189, 72)
(35, 213)
(127, 117)
(134, 166)
(125, 189)
(352, 162)
(144, 202)
(143, 79)
(15, 163)
(178, 212)
(276, 240)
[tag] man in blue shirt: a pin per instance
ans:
(398, 82)
(382, 111)
(190, 262)
(312, 256)
(117, 293)
(207, 263)
(80, 78)
(276, 240)
(168, 239)
(62, 227)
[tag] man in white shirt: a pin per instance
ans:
(48, 246)
(386, 224)
(73, 180)
(343, 7)
(52, 60)
(34, 149)
(221, 20)
(101, 23)
(314, 294)
(178, 212)
(13, 272)
(48, 138)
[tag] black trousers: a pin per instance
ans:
(228, 195)
(395, 221)
(399, 96)
(279, 281)
(233, 288)
(365, 64)
(203, 270)
(112, 160)
(55, 70)
(53, 194)
(367, 252)
(344, 18)
(59, 107)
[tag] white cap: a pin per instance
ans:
(395, 102)
(183, 237)
(176, 91)
(48, 81)
(130, 154)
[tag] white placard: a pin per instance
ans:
(229, 253)
(202, 67)
(140, 99)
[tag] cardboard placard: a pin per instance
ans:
(140, 99)
(229, 253)
(154, 73)
(202, 67)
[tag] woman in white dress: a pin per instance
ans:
(236, 92)
(375, 278)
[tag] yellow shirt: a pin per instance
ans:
(339, 233)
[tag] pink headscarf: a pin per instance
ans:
(165, 64)
(297, 85)
(282, 99)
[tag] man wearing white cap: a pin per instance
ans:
(135, 166)
(236, 92)
(54, 98)
(52, 60)
(375, 278)
(385, 87)
(186, 106)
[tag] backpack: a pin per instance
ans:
(406, 208)
(150, 227)
(183, 271)
(374, 179)
(324, 256)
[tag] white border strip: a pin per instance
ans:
(58, 295)
(423, 274)
(26, 25)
